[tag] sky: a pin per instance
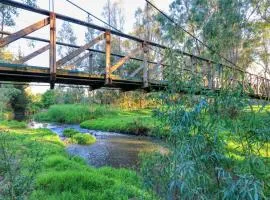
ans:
(95, 7)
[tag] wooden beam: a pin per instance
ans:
(126, 58)
(90, 60)
(75, 53)
(145, 67)
(136, 71)
(80, 59)
(108, 58)
(34, 54)
(30, 29)
(52, 61)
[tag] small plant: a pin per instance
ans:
(81, 138)
(69, 132)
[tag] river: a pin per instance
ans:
(111, 149)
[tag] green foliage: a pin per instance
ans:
(83, 138)
(132, 122)
(39, 168)
(7, 93)
(69, 132)
(79, 138)
(48, 98)
(13, 124)
(20, 103)
(214, 142)
(69, 113)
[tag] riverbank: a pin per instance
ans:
(34, 164)
(105, 118)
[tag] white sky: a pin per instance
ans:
(63, 7)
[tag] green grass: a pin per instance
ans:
(105, 118)
(79, 138)
(70, 132)
(83, 138)
(13, 124)
(72, 113)
(131, 122)
(42, 160)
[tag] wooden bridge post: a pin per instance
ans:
(108, 79)
(145, 66)
(90, 63)
(52, 49)
(243, 81)
(257, 89)
(209, 75)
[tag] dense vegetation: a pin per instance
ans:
(79, 138)
(34, 165)
(218, 142)
(102, 117)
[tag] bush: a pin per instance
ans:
(13, 124)
(70, 132)
(81, 138)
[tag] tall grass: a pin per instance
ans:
(72, 113)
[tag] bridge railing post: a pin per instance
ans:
(90, 60)
(257, 88)
(108, 79)
(145, 67)
(52, 49)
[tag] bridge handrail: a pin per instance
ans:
(100, 28)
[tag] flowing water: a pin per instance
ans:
(110, 149)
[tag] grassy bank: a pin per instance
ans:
(106, 118)
(34, 165)
(131, 122)
(73, 113)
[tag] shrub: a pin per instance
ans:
(69, 132)
(81, 138)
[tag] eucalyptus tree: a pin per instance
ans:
(66, 34)
(9, 13)
(114, 17)
(219, 24)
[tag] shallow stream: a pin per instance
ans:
(110, 149)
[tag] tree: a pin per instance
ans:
(74, 95)
(113, 14)
(19, 103)
(148, 27)
(7, 93)
(67, 35)
(8, 13)
(48, 98)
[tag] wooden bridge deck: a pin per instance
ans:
(214, 75)
(26, 73)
